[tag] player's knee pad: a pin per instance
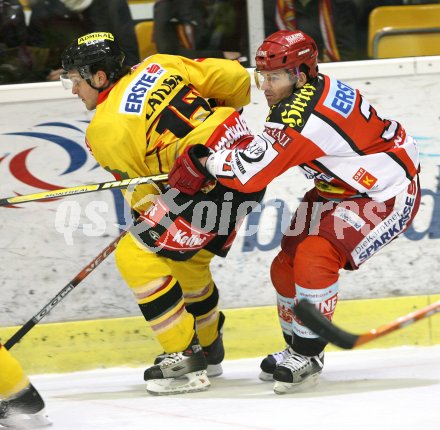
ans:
(204, 302)
(317, 263)
(167, 297)
(165, 312)
(281, 274)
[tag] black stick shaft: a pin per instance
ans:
(64, 292)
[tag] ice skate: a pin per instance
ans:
(26, 411)
(297, 371)
(179, 372)
(269, 364)
(214, 353)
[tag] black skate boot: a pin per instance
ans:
(24, 411)
(296, 370)
(214, 353)
(179, 372)
(269, 363)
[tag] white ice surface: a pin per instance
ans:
(393, 389)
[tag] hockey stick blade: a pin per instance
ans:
(318, 323)
(82, 189)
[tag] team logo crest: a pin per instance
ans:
(366, 179)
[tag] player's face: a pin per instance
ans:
(277, 85)
(80, 87)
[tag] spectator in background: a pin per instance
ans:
(228, 24)
(15, 58)
(198, 28)
(113, 16)
(53, 23)
(21, 406)
(331, 23)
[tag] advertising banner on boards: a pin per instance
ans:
(44, 244)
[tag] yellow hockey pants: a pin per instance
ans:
(171, 294)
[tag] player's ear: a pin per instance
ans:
(297, 78)
(101, 79)
(301, 80)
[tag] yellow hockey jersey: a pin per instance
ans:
(147, 118)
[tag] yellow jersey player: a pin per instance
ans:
(21, 406)
(145, 118)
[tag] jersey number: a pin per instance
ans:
(390, 126)
(177, 116)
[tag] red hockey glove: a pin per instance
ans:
(188, 175)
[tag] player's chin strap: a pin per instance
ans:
(112, 78)
(100, 90)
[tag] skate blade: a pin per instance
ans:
(214, 370)
(295, 387)
(26, 421)
(189, 383)
(266, 377)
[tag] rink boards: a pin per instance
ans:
(44, 245)
(248, 332)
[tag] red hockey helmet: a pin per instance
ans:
(287, 50)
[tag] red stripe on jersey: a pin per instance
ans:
(402, 155)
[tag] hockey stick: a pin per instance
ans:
(317, 322)
(63, 293)
(82, 189)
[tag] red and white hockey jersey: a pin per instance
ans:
(336, 137)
